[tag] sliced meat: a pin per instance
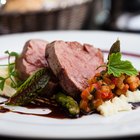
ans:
(73, 64)
(31, 58)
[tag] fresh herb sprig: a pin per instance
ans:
(115, 65)
(11, 71)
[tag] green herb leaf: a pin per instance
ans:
(6, 52)
(14, 73)
(13, 85)
(2, 82)
(117, 67)
(11, 68)
(11, 71)
(15, 54)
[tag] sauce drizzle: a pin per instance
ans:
(56, 111)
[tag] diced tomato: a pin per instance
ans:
(85, 94)
(106, 95)
(84, 106)
(126, 87)
(107, 80)
(97, 102)
(114, 81)
(107, 87)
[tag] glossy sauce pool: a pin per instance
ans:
(56, 112)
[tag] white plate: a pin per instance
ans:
(93, 126)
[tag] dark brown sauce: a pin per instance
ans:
(4, 110)
(56, 111)
(135, 105)
(2, 103)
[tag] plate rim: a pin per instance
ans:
(53, 136)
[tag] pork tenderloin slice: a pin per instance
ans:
(31, 58)
(73, 64)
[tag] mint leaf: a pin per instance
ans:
(117, 67)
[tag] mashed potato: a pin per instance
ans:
(131, 96)
(119, 104)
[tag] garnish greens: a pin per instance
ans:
(116, 66)
(11, 71)
(114, 48)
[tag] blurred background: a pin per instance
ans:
(41, 15)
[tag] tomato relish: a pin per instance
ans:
(103, 87)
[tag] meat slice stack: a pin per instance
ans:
(70, 63)
(73, 64)
(31, 59)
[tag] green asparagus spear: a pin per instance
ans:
(31, 88)
(68, 103)
(115, 48)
